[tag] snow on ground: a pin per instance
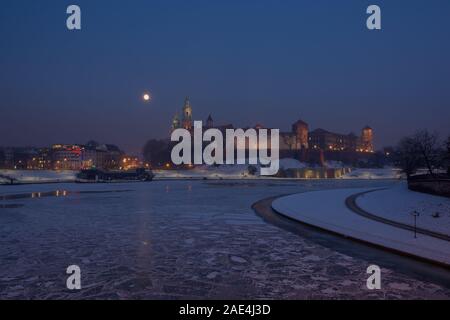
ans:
(289, 163)
(398, 204)
(327, 210)
(334, 164)
(384, 173)
(237, 171)
(199, 172)
(38, 176)
(210, 172)
(241, 171)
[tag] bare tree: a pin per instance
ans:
(427, 144)
(407, 156)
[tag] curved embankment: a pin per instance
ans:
(350, 202)
(328, 210)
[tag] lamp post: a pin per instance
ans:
(415, 214)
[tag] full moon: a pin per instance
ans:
(146, 97)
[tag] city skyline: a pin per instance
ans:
(259, 62)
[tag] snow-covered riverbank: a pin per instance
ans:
(199, 172)
(37, 176)
(327, 210)
(242, 172)
(399, 204)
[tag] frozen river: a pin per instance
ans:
(187, 239)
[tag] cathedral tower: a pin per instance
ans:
(187, 114)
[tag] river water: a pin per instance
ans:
(187, 239)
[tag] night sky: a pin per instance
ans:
(245, 62)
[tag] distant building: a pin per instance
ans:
(91, 157)
(330, 141)
(111, 156)
(40, 159)
(66, 157)
(12, 157)
(24, 158)
(186, 121)
(130, 163)
(62, 157)
(187, 115)
(366, 144)
(76, 157)
(315, 145)
(295, 140)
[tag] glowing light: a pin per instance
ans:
(146, 97)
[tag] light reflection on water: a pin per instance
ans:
(57, 193)
(186, 239)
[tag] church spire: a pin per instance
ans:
(187, 114)
(176, 122)
(209, 122)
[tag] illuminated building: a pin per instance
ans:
(187, 115)
(25, 158)
(40, 159)
(186, 119)
(109, 156)
(76, 157)
(66, 157)
(299, 139)
(129, 163)
(366, 139)
(329, 141)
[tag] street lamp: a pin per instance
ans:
(415, 214)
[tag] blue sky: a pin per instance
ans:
(245, 62)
